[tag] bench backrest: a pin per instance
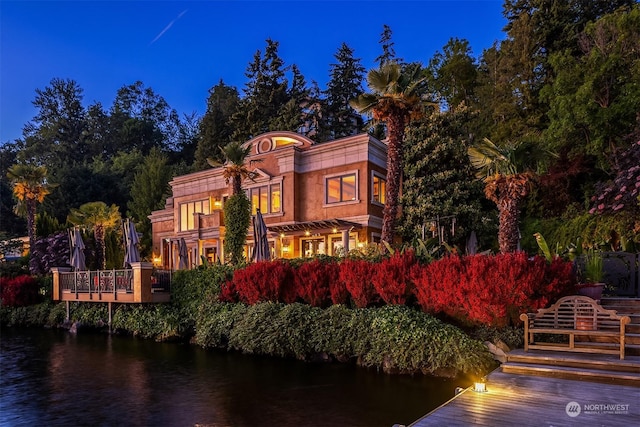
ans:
(577, 312)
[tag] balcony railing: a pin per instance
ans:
(99, 282)
(141, 283)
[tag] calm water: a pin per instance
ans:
(53, 378)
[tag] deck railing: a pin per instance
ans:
(99, 282)
(140, 283)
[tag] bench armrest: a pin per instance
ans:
(526, 316)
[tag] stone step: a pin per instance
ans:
(572, 373)
(575, 360)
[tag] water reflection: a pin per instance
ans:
(55, 378)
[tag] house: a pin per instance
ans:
(316, 198)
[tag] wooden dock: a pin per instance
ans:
(526, 400)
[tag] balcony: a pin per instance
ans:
(140, 284)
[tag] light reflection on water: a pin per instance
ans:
(54, 378)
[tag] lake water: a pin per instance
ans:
(54, 378)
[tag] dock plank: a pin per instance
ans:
(537, 401)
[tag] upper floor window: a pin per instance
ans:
(187, 211)
(267, 198)
(379, 189)
(341, 188)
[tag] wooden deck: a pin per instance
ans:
(527, 400)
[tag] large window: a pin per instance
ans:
(267, 198)
(379, 189)
(341, 188)
(187, 211)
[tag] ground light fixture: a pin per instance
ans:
(480, 386)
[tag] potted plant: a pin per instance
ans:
(592, 284)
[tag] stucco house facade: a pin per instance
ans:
(316, 198)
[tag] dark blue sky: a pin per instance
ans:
(182, 48)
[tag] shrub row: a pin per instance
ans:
(19, 291)
(394, 339)
(391, 338)
(479, 289)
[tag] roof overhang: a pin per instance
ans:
(325, 224)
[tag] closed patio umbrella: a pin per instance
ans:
(183, 254)
(131, 240)
(261, 250)
(76, 258)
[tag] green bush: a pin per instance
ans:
(215, 322)
(161, 322)
(406, 340)
(392, 338)
(190, 287)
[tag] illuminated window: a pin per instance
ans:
(379, 189)
(267, 198)
(275, 198)
(187, 211)
(341, 188)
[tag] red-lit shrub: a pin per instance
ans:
(265, 281)
(317, 281)
(19, 291)
(490, 290)
(356, 275)
(434, 284)
(228, 292)
(391, 277)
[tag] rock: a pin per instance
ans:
(502, 346)
(496, 351)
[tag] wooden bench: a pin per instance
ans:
(576, 316)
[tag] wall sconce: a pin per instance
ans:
(285, 249)
(480, 386)
(282, 235)
(335, 230)
(217, 203)
(307, 232)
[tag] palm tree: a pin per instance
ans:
(507, 183)
(30, 187)
(100, 218)
(235, 169)
(395, 99)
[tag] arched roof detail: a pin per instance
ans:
(271, 141)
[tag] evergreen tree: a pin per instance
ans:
(290, 115)
(188, 136)
(388, 52)
(439, 179)
(345, 84)
(149, 190)
(237, 211)
(216, 127)
(266, 93)
(55, 135)
(595, 97)
(144, 119)
(454, 73)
